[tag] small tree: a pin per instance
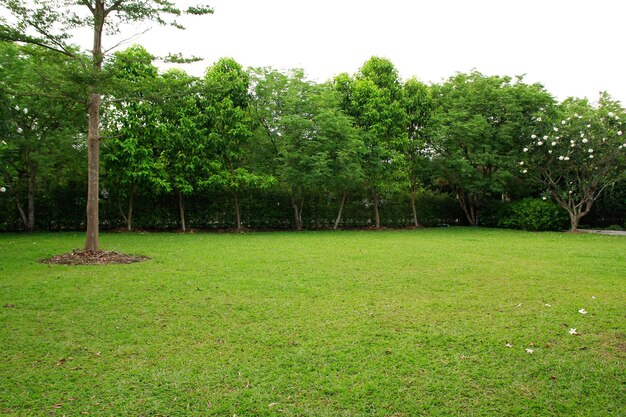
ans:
(578, 154)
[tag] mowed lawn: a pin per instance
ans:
(358, 323)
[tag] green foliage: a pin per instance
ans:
(534, 215)
(579, 152)
(481, 123)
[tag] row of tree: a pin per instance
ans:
(237, 132)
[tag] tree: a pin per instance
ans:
(38, 130)
(182, 138)
(312, 145)
(373, 99)
(131, 154)
(418, 105)
(578, 153)
(228, 125)
(51, 23)
(481, 122)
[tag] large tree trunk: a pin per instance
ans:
(181, 208)
(237, 212)
(343, 203)
(92, 241)
(376, 209)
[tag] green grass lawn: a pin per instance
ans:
(393, 323)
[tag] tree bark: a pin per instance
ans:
(181, 207)
(343, 203)
(376, 209)
(237, 212)
(92, 241)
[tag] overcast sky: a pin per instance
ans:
(573, 47)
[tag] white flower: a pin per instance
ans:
(544, 198)
(573, 332)
(524, 171)
(556, 129)
(525, 149)
(509, 345)
(611, 114)
(571, 192)
(553, 144)
(548, 305)
(540, 143)
(563, 122)
(3, 142)
(549, 150)
(521, 163)
(3, 190)
(545, 137)
(573, 145)
(566, 158)
(588, 125)
(590, 150)
(590, 156)
(533, 136)
(561, 158)
(619, 133)
(529, 350)
(582, 311)
(538, 119)
(585, 140)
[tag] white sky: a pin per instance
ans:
(573, 47)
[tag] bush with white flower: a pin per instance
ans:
(587, 153)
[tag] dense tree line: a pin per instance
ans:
(262, 148)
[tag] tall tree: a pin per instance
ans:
(578, 153)
(228, 127)
(51, 24)
(481, 122)
(373, 99)
(38, 130)
(131, 154)
(418, 105)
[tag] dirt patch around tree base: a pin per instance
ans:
(85, 257)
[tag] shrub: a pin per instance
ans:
(535, 215)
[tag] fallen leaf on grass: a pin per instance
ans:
(9, 306)
(273, 405)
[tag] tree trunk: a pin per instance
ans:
(92, 241)
(297, 212)
(574, 219)
(181, 208)
(129, 217)
(343, 203)
(237, 212)
(416, 222)
(376, 210)
(21, 210)
(471, 213)
(32, 172)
